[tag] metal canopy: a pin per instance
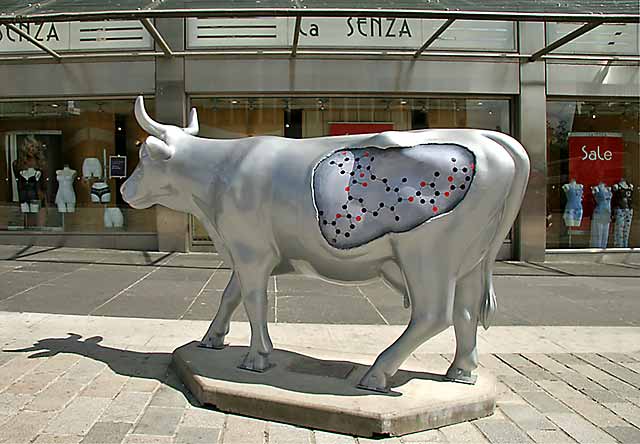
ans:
(591, 13)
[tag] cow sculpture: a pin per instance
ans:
(426, 211)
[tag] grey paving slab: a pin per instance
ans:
(23, 427)
(544, 403)
(240, 430)
(312, 307)
(107, 433)
(203, 418)
(593, 269)
(54, 438)
(159, 421)
(205, 307)
(388, 302)
(625, 435)
(501, 431)
(197, 435)
(464, 432)
(126, 407)
(523, 269)
(78, 417)
(580, 429)
(291, 284)
(526, 417)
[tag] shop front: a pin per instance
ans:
(558, 80)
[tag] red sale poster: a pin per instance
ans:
(343, 129)
(595, 158)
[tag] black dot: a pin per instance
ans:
(464, 170)
(373, 177)
(372, 158)
(437, 173)
(346, 234)
(462, 187)
(381, 204)
(368, 168)
(342, 172)
(399, 199)
(384, 180)
(396, 189)
(346, 159)
(453, 187)
(320, 213)
(467, 178)
(432, 184)
(359, 166)
(361, 200)
(422, 201)
(357, 159)
(344, 207)
(333, 162)
(418, 193)
(432, 201)
(324, 222)
(397, 218)
(453, 159)
(333, 223)
(354, 181)
(437, 193)
(337, 231)
(350, 197)
(352, 173)
(455, 170)
(352, 226)
(348, 216)
(388, 189)
(340, 165)
(375, 213)
(404, 179)
(392, 208)
(364, 210)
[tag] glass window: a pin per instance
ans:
(297, 117)
(62, 165)
(593, 172)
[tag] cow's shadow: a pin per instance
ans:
(316, 376)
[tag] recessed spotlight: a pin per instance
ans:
(286, 125)
(480, 103)
(593, 116)
(403, 102)
(234, 102)
(54, 105)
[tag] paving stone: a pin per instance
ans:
(614, 369)
(463, 433)
(620, 357)
(59, 363)
(288, 434)
(10, 403)
(428, 436)
(580, 429)
(78, 417)
(519, 383)
(47, 438)
(626, 435)
(107, 433)
(56, 396)
(527, 418)
(32, 383)
(332, 438)
(167, 396)
(105, 385)
(197, 435)
(15, 369)
(567, 358)
(550, 437)
(544, 402)
(204, 418)
(240, 430)
(126, 407)
(84, 371)
(500, 431)
(141, 385)
(23, 427)
(392, 440)
(547, 362)
(147, 439)
(602, 395)
(628, 411)
(159, 421)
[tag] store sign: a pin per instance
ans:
(595, 158)
(117, 167)
(72, 36)
(349, 32)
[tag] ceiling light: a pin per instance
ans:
(403, 102)
(54, 105)
(234, 102)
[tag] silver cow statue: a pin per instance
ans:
(426, 211)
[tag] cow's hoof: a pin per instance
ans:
(462, 376)
(213, 341)
(255, 362)
(374, 381)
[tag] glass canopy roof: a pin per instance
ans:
(540, 10)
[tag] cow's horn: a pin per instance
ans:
(146, 122)
(193, 126)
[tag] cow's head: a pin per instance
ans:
(156, 178)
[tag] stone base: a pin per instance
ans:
(322, 394)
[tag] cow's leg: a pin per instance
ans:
(392, 275)
(466, 307)
(431, 291)
(253, 285)
(231, 298)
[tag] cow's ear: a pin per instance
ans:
(158, 150)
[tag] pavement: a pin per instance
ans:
(86, 338)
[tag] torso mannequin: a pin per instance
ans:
(623, 192)
(623, 209)
(66, 197)
(573, 210)
(601, 216)
(28, 189)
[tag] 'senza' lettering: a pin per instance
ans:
(595, 154)
(42, 32)
(378, 27)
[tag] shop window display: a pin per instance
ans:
(54, 168)
(592, 174)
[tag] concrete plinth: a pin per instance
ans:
(322, 394)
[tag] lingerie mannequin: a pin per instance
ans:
(66, 197)
(601, 216)
(29, 190)
(573, 210)
(100, 192)
(113, 218)
(623, 211)
(91, 167)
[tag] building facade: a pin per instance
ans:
(69, 138)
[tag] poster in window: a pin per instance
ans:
(117, 167)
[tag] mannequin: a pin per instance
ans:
(601, 216)
(29, 189)
(113, 218)
(623, 211)
(100, 192)
(91, 168)
(573, 210)
(66, 197)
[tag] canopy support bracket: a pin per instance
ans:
(433, 37)
(296, 37)
(564, 40)
(157, 37)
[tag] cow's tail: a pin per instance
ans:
(512, 203)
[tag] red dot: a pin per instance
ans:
(338, 216)
(358, 218)
(364, 184)
(446, 194)
(423, 184)
(473, 166)
(361, 174)
(344, 153)
(347, 188)
(410, 198)
(366, 154)
(450, 178)
(435, 209)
